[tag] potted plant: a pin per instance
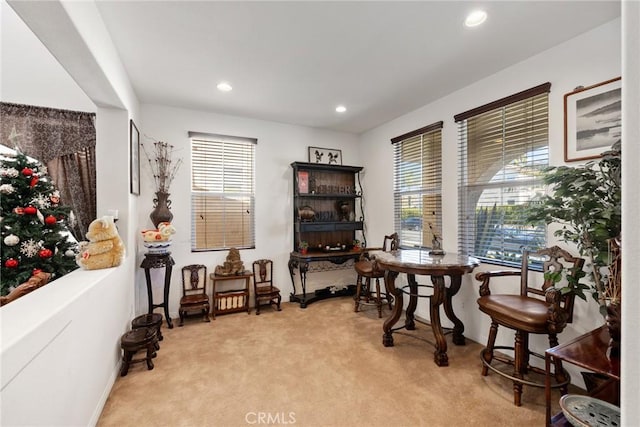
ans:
(303, 247)
(356, 244)
(585, 201)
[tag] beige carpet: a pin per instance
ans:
(320, 366)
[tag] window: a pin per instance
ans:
(503, 146)
(417, 185)
(222, 192)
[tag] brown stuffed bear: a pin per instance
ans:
(37, 280)
(104, 249)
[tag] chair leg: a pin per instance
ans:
(356, 297)
(487, 355)
(126, 361)
(519, 364)
(378, 298)
(278, 303)
(150, 355)
(206, 314)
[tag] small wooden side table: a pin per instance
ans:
(230, 301)
(159, 261)
(587, 351)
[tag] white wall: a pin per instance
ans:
(60, 345)
(630, 387)
(30, 74)
(585, 60)
(278, 146)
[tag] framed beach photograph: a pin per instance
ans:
(134, 166)
(325, 156)
(592, 120)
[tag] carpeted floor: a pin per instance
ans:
(320, 366)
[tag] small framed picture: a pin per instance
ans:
(325, 156)
(592, 120)
(303, 182)
(134, 166)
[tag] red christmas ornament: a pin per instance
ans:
(30, 210)
(45, 253)
(11, 263)
(27, 172)
(34, 181)
(36, 271)
(19, 211)
(50, 220)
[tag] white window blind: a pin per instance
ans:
(418, 185)
(222, 192)
(503, 147)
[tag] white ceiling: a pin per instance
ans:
(294, 62)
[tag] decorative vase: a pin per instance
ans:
(161, 209)
(306, 213)
(613, 325)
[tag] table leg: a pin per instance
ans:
(293, 264)
(547, 389)
(410, 320)
(147, 276)
(167, 283)
(458, 326)
(389, 280)
(440, 355)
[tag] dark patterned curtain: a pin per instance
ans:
(65, 142)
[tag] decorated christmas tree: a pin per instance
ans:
(35, 237)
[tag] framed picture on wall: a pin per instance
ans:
(325, 156)
(134, 166)
(592, 120)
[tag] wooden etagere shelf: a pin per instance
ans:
(325, 217)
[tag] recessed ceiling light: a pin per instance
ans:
(475, 18)
(224, 87)
(341, 109)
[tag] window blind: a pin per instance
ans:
(502, 151)
(222, 192)
(418, 185)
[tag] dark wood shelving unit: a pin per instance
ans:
(325, 210)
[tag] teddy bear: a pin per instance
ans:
(104, 248)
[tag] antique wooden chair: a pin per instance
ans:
(264, 291)
(535, 310)
(366, 271)
(194, 295)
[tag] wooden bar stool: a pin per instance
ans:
(151, 320)
(367, 271)
(135, 340)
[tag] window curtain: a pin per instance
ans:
(64, 141)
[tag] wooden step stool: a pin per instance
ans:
(151, 320)
(135, 340)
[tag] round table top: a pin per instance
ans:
(421, 261)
